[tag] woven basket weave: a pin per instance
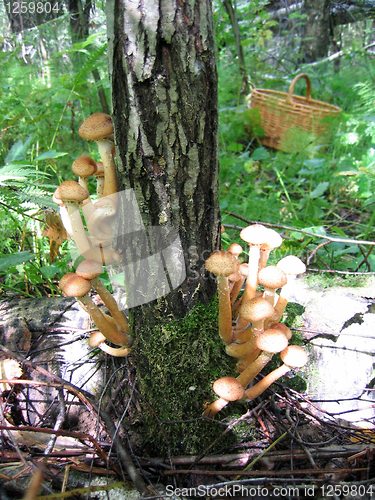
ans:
(285, 117)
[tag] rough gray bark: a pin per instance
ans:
(165, 113)
(316, 30)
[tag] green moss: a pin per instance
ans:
(178, 364)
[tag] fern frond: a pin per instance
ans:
(12, 174)
(36, 196)
(90, 64)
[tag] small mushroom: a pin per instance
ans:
(235, 249)
(256, 311)
(293, 357)
(274, 240)
(84, 166)
(228, 389)
(272, 278)
(78, 287)
(91, 270)
(98, 127)
(72, 194)
(270, 342)
(223, 264)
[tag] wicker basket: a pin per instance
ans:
(291, 122)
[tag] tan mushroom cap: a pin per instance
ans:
(64, 280)
(294, 356)
(256, 234)
(71, 191)
(76, 286)
(222, 263)
(256, 309)
(283, 328)
(84, 166)
(96, 126)
(228, 388)
(274, 240)
(272, 341)
(291, 265)
(235, 249)
(272, 277)
(89, 269)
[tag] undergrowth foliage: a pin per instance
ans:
(321, 197)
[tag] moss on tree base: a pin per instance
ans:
(177, 362)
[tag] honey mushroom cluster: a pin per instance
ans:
(96, 244)
(249, 325)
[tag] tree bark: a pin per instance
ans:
(316, 31)
(165, 114)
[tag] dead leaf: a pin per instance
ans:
(55, 232)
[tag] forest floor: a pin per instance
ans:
(290, 440)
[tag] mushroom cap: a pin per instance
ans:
(272, 277)
(71, 191)
(272, 341)
(228, 388)
(235, 249)
(76, 286)
(294, 356)
(64, 279)
(96, 126)
(96, 338)
(222, 263)
(274, 240)
(244, 269)
(256, 309)
(291, 265)
(84, 166)
(256, 234)
(89, 269)
(283, 328)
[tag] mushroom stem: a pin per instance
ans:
(225, 312)
(97, 339)
(252, 370)
(252, 277)
(215, 407)
(109, 301)
(223, 264)
(110, 176)
(78, 287)
(292, 356)
(110, 332)
(91, 270)
(257, 389)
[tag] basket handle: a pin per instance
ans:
(289, 97)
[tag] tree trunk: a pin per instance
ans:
(316, 31)
(165, 113)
